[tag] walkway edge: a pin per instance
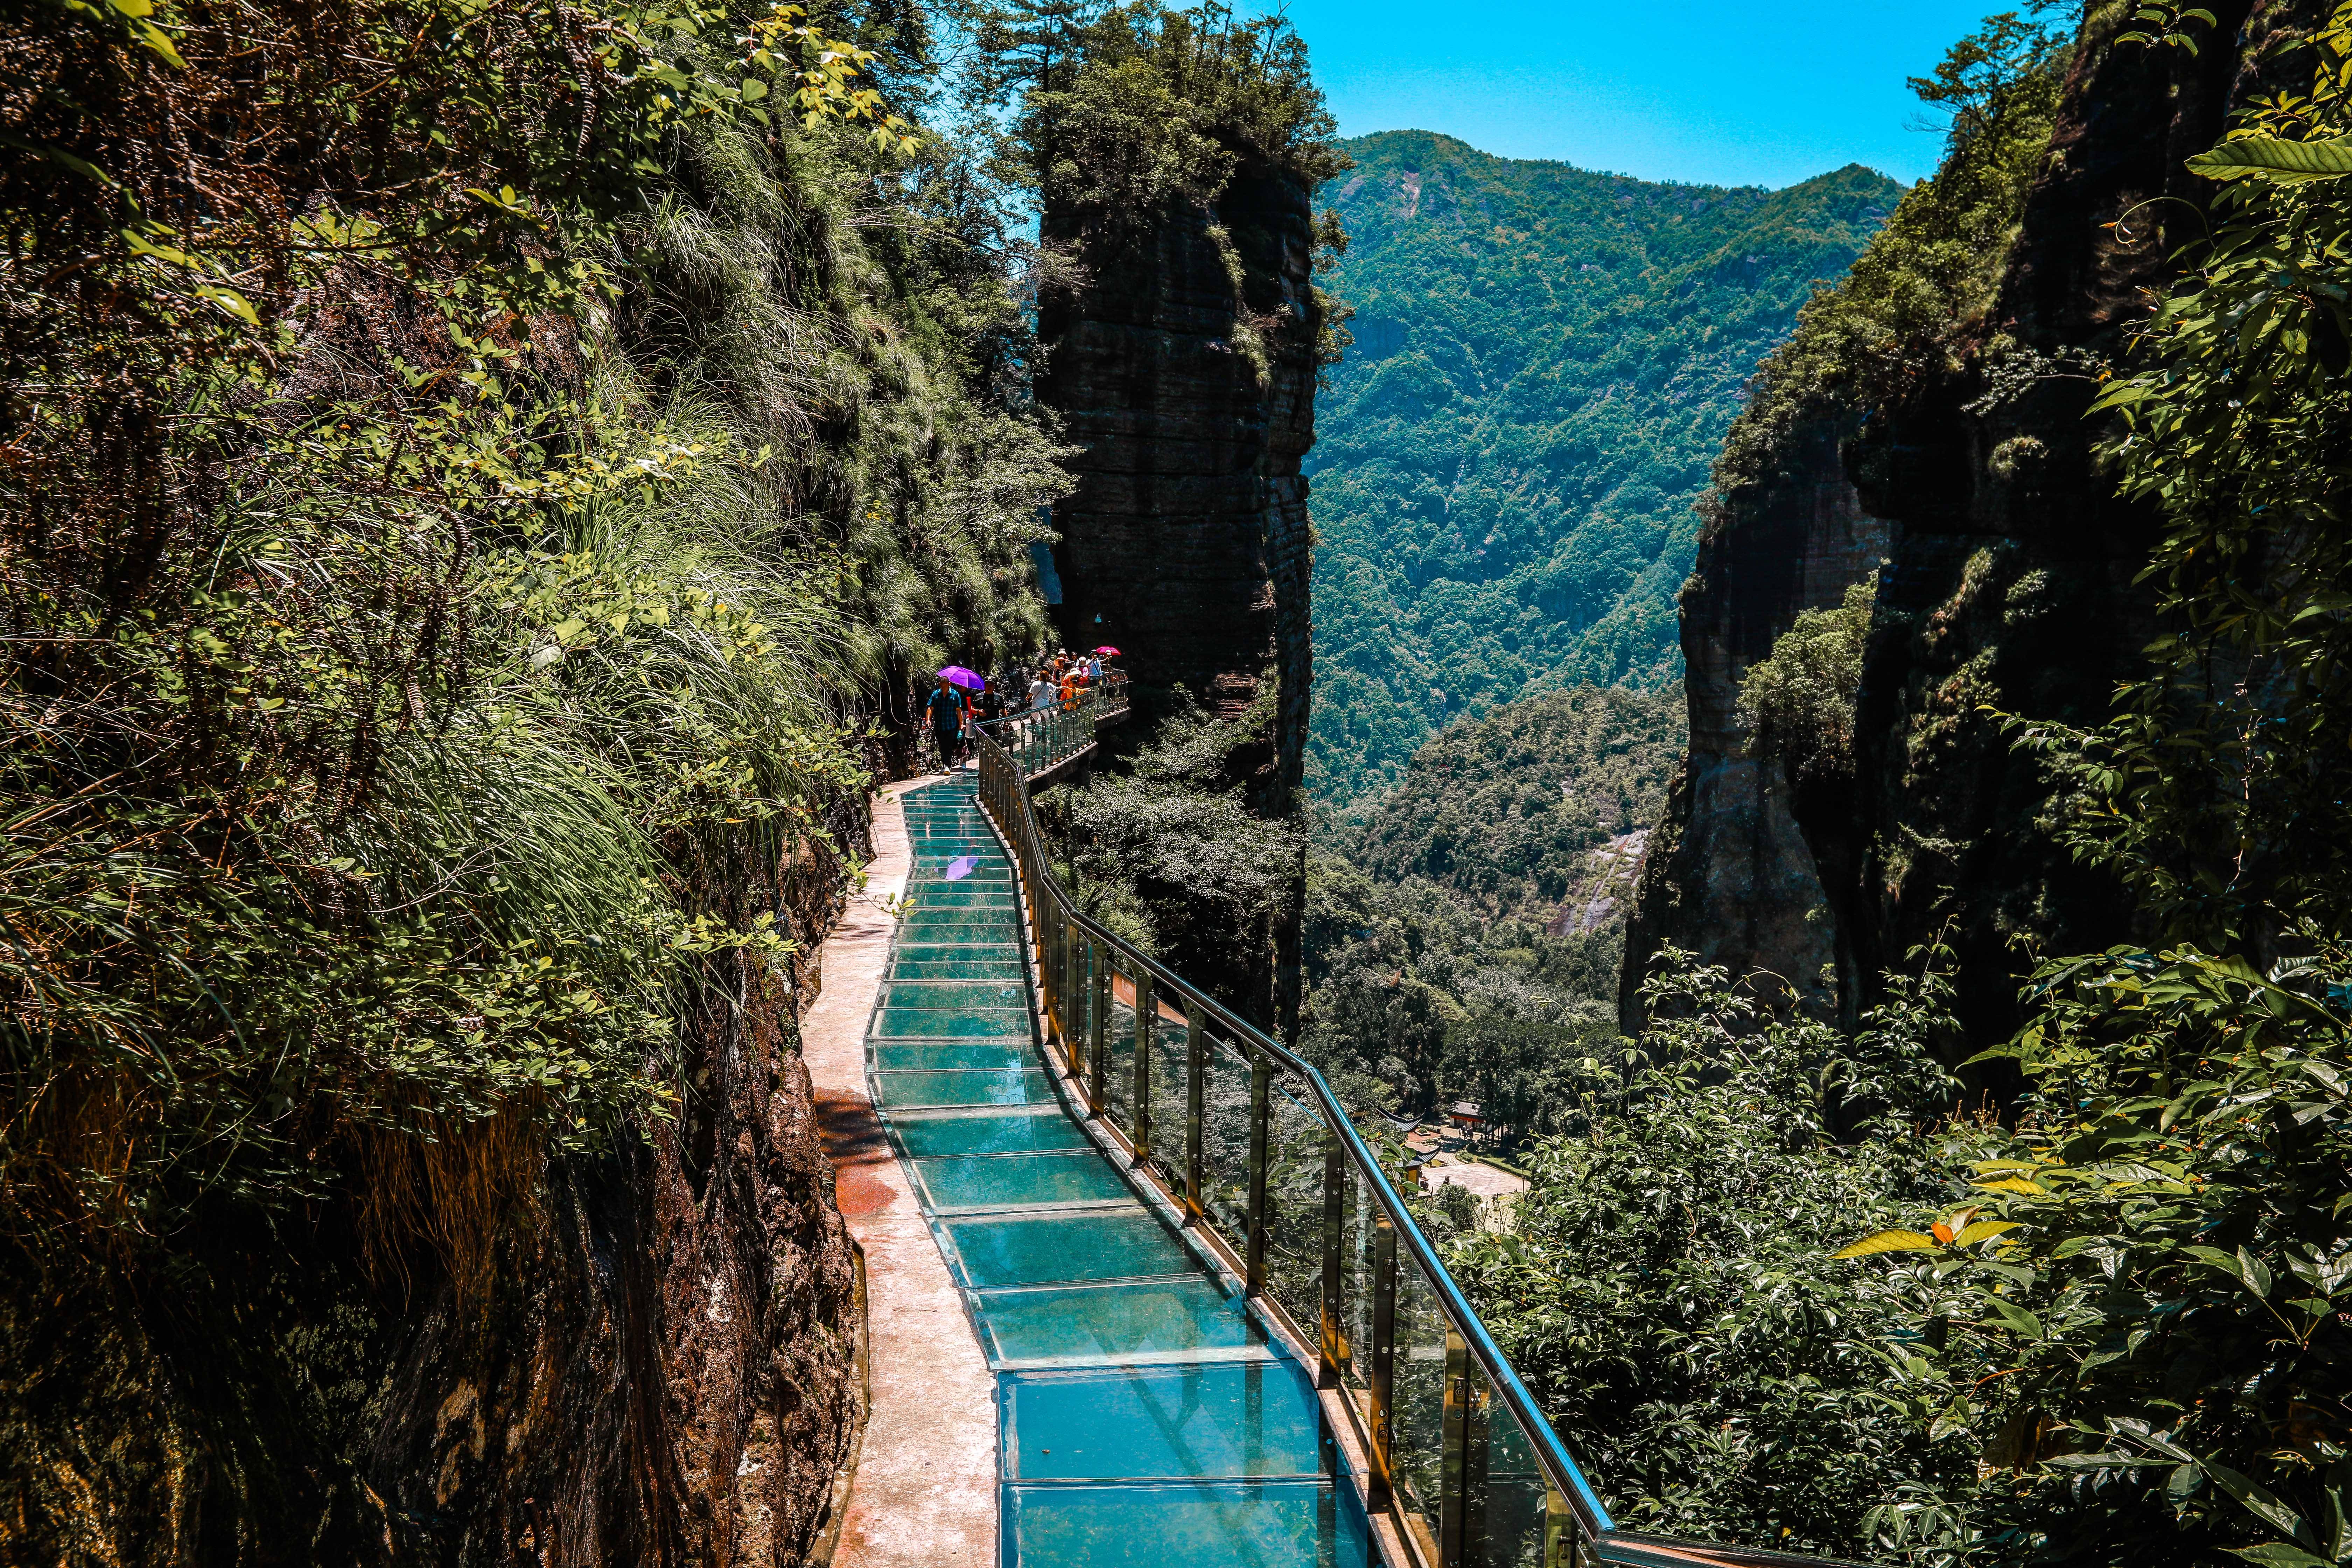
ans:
(924, 1491)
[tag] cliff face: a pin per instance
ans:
(1183, 364)
(2006, 586)
(1729, 874)
(655, 1364)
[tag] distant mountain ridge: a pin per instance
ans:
(1546, 361)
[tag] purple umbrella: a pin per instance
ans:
(960, 866)
(957, 675)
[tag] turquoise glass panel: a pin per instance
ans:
(1233, 1524)
(930, 1136)
(981, 1181)
(890, 1058)
(1248, 1418)
(934, 1022)
(1010, 997)
(1005, 1087)
(1098, 1322)
(1006, 968)
(911, 952)
(1052, 1250)
(985, 925)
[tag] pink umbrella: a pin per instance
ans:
(1106, 650)
(957, 675)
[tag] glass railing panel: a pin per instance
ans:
(1118, 1050)
(1170, 1080)
(1417, 1404)
(1225, 1142)
(1513, 1502)
(1079, 998)
(1352, 1364)
(1296, 1144)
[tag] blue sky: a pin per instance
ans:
(1712, 92)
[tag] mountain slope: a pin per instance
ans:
(1546, 361)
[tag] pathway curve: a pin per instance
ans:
(1140, 1411)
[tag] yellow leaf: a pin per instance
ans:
(1984, 1230)
(1887, 1241)
(2013, 1185)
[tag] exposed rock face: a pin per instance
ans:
(1729, 874)
(2007, 585)
(660, 1368)
(1188, 375)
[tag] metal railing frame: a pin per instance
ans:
(1069, 948)
(1077, 1005)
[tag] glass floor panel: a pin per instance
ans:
(1230, 1524)
(951, 1088)
(935, 1022)
(985, 1179)
(1006, 968)
(1098, 1322)
(928, 1137)
(893, 1057)
(1257, 1418)
(1007, 997)
(958, 952)
(987, 925)
(1052, 1249)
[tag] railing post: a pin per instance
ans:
(1097, 1025)
(1462, 1485)
(1261, 1108)
(1196, 1073)
(1333, 1359)
(1143, 1066)
(1562, 1539)
(1383, 1377)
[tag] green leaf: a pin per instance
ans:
(2271, 1512)
(2279, 1554)
(1887, 1241)
(2268, 158)
(2021, 1324)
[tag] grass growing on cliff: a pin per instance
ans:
(413, 654)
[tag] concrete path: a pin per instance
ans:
(924, 1495)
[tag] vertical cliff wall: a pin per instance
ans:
(1183, 363)
(1729, 874)
(656, 1366)
(2006, 586)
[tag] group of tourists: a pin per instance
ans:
(961, 700)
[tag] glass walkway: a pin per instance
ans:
(1145, 1413)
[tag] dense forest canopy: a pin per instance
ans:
(1545, 360)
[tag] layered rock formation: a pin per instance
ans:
(1183, 364)
(653, 1364)
(1729, 874)
(2006, 588)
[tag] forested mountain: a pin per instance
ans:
(1545, 361)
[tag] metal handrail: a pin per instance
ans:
(1593, 1538)
(1004, 789)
